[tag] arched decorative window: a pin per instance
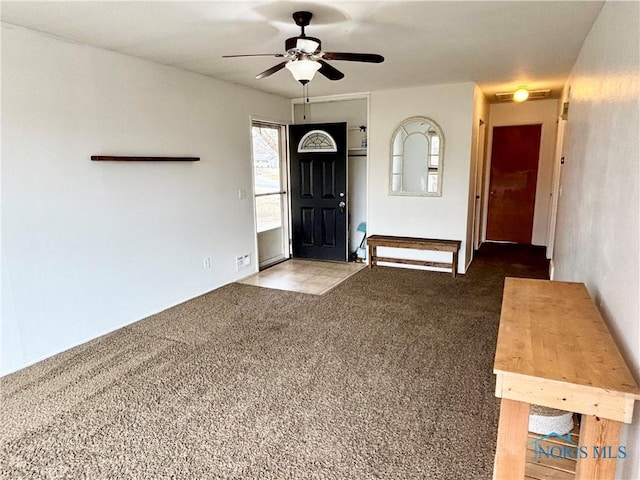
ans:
(317, 141)
(417, 151)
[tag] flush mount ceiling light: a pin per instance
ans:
(533, 95)
(520, 95)
(303, 68)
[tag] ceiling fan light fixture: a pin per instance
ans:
(303, 69)
(520, 95)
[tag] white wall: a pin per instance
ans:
(445, 217)
(543, 112)
(88, 247)
(598, 232)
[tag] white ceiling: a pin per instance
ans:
(499, 45)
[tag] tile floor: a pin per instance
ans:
(305, 276)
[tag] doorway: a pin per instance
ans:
(270, 193)
(319, 217)
(353, 109)
(512, 184)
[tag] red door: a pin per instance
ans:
(512, 184)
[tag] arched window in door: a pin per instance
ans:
(317, 141)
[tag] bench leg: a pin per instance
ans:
(372, 255)
(454, 264)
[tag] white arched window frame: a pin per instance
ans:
(317, 141)
(416, 171)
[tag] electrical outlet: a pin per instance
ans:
(243, 261)
(206, 262)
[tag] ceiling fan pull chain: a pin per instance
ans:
(305, 94)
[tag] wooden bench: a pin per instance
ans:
(452, 246)
(554, 350)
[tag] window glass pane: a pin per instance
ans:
(266, 159)
(433, 182)
(397, 164)
(269, 212)
(396, 183)
(414, 166)
(435, 144)
(398, 142)
(414, 127)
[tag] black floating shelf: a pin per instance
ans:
(99, 158)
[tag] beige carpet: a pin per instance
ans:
(386, 376)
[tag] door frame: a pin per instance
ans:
(487, 173)
(340, 98)
(284, 184)
(479, 193)
(555, 188)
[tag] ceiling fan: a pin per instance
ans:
(304, 56)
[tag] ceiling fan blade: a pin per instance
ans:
(354, 57)
(272, 70)
(330, 72)
(256, 55)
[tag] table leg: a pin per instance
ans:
(511, 449)
(599, 440)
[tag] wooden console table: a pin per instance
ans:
(554, 349)
(452, 246)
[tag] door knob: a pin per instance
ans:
(341, 206)
(493, 192)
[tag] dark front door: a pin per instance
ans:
(319, 190)
(512, 186)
